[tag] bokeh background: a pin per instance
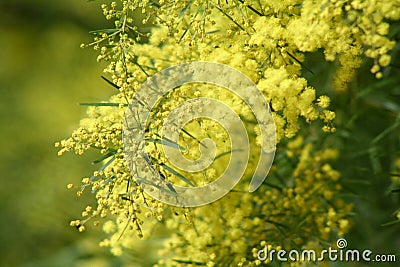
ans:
(44, 75)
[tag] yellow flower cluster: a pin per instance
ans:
(288, 94)
(115, 191)
(268, 42)
(200, 129)
(298, 212)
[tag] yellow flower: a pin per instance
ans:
(323, 101)
(268, 43)
(384, 60)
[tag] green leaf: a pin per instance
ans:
(222, 154)
(107, 181)
(152, 3)
(180, 176)
(274, 186)
(227, 152)
(301, 63)
(213, 31)
(374, 159)
(107, 31)
(198, 141)
(386, 131)
(184, 33)
(389, 82)
(229, 17)
(106, 156)
(190, 262)
(391, 223)
(188, 27)
(177, 174)
(105, 104)
(165, 141)
(237, 191)
(141, 180)
(103, 167)
(252, 9)
(106, 165)
(183, 11)
(111, 83)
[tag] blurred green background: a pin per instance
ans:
(44, 75)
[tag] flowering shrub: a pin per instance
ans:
(300, 204)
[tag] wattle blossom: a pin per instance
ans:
(300, 204)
